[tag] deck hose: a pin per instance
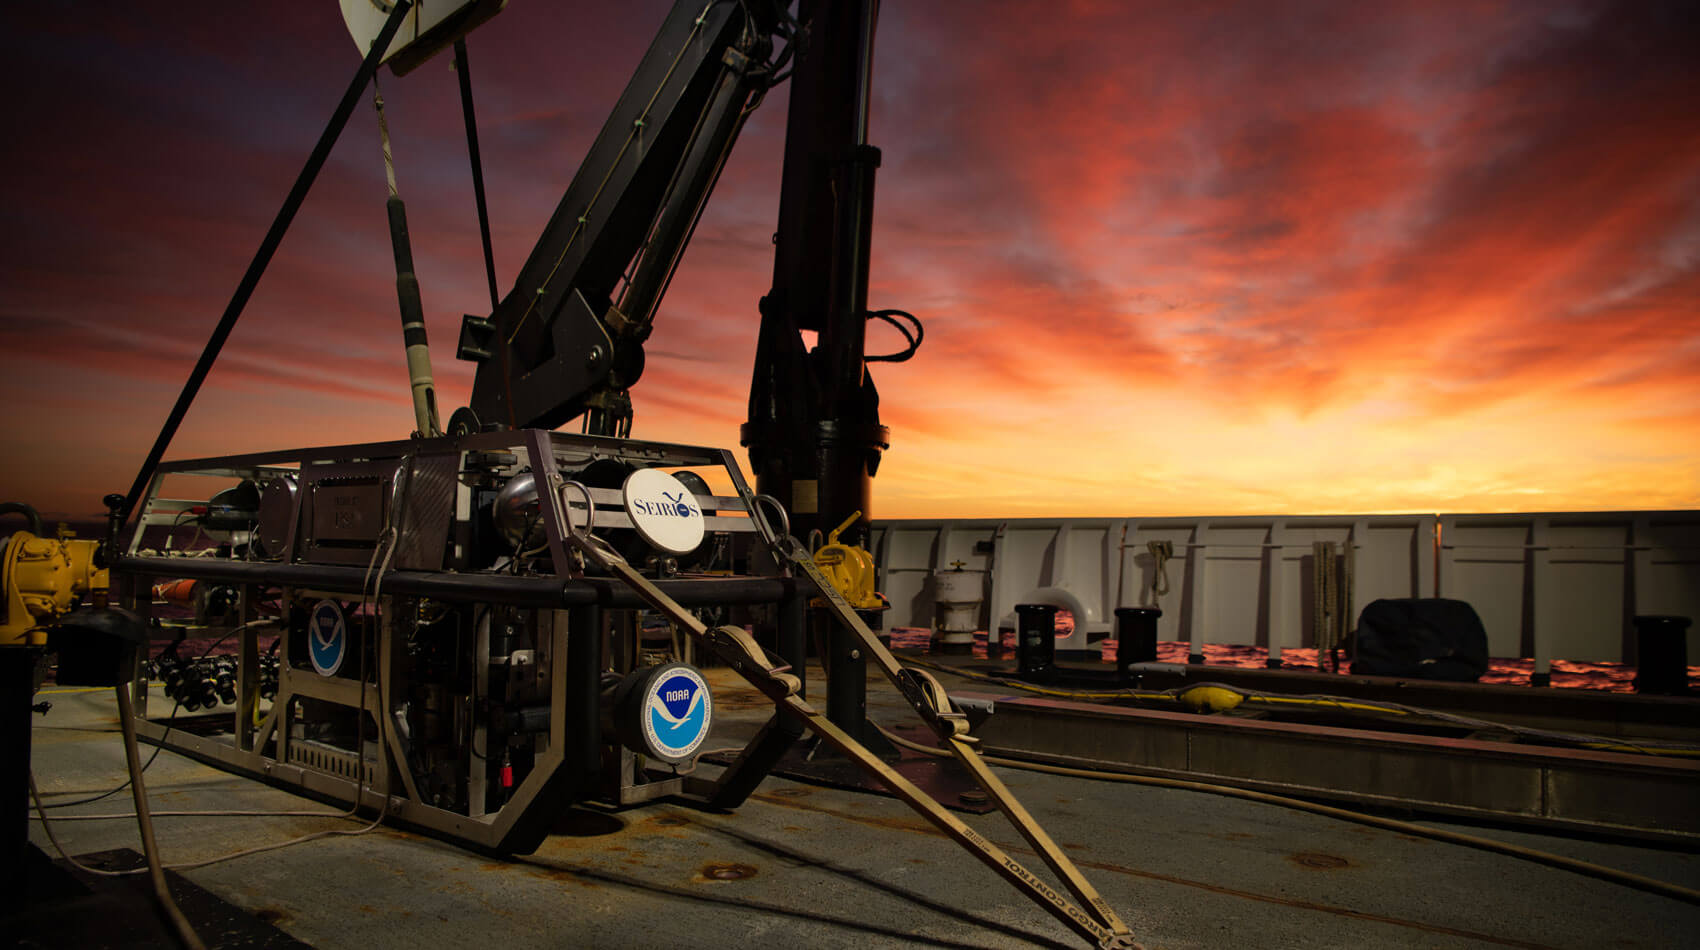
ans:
(1221, 697)
(1637, 881)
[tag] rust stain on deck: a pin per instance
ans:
(1319, 861)
(727, 872)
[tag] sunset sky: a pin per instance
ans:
(1204, 258)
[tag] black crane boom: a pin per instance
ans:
(567, 339)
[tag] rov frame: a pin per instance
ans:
(403, 537)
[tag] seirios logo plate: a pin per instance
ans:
(677, 712)
(663, 511)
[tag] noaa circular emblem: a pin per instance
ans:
(677, 711)
(327, 637)
(664, 512)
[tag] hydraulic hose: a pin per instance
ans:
(18, 507)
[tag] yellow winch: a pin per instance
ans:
(43, 579)
(850, 569)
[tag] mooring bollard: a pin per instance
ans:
(1036, 641)
(1662, 654)
(1136, 640)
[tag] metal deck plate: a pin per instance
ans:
(65, 907)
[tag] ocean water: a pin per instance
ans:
(1610, 677)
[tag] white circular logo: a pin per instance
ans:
(663, 510)
(676, 713)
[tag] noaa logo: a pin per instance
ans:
(676, 713)
(327, 637)
(663, 511)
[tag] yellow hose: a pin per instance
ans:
(1219, 697)
(1209, 698)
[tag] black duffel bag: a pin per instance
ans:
(1426, 638)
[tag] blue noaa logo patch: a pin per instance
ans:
(327, 637)
(676, 714)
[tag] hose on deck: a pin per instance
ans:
(1638, 881)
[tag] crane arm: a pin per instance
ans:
(567, 340)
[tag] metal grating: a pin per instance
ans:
(329, 760)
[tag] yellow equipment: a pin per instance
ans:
(43, 579)
(850, 569)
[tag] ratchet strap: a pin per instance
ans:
(734, 645)
(929, 700)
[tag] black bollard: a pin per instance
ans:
(1662, 647)
(1036, 641)
(1136, 640)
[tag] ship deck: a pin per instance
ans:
(807, 865)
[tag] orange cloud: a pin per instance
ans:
(1219, 257)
